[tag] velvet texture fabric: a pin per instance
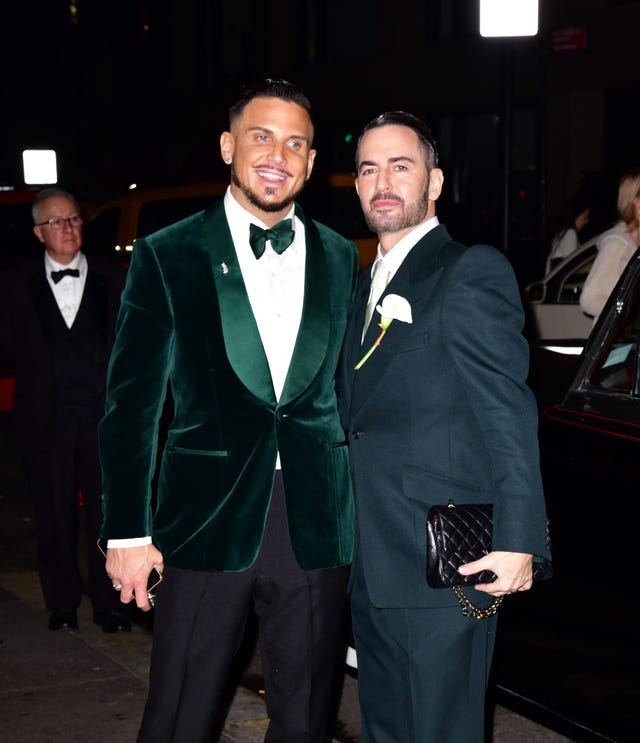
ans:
(186, 320)
(440, 411)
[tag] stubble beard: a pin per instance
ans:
(260, 203)
(410, 216)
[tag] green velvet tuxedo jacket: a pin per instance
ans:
(440, 411)
(186, 320)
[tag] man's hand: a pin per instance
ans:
(514, 571)
(129, 568)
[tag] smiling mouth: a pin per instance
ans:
(272, 176)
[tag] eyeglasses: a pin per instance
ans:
(57, 223)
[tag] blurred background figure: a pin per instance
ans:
(615, 247)
(57, 318)
(573, 218)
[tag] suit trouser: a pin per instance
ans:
(198, 626)
(68, 462)
(422, 673)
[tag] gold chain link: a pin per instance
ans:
(470, 610)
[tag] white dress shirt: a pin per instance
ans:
(275, 286)
(68, 291)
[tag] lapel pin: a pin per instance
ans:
(225, 268)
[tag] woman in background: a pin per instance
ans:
(615, 247)
(572, 220)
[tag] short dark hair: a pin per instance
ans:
(402, 118)
(49, 193)
(268, 88)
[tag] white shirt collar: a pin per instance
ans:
(393, 259)
(79, 261)
(240, 219)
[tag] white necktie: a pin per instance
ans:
(379, 281)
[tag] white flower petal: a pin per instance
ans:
(395, 307)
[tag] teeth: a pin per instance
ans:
(271, 176)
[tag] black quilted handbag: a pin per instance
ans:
(457, 534)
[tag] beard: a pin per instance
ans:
(261, 203)
(410, 215)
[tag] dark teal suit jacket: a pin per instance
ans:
(186, 319)
(440, 411)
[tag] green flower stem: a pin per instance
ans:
(372, 349)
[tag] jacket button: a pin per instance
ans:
(281, 415)
(355, 434)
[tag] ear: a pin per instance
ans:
(355, 183)
(227, 146)
(310, 161)
(37, 231)
(436, 179)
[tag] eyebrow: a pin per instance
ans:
(266, 130)
(400, 158)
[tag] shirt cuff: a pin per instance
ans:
(133, 542)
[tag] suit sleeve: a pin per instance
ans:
(136, 388)
(483, 319)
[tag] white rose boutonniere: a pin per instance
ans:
(393, 307)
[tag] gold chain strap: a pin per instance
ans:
(469, 610)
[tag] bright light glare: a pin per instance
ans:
(39, 167)
(508, 17)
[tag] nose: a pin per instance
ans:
(383, 181)
(278, 152)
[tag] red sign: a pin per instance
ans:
(574, 39)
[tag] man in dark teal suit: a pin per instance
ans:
(254, 505)
(439, 411)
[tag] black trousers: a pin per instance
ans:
(198, 625)
(422, 673)
(69, 462)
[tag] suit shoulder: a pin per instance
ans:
(477, 254)
(331, 237)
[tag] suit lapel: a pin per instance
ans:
(415, 281)
(312, 342)
(241, 336)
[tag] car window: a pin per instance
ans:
(617, 365)
(154, 215)
(571, 286)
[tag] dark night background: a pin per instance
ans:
(137, 90)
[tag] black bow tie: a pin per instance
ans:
(281, 236)
(57, 275)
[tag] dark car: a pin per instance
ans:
(569, 650)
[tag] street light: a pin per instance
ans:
(507, 19)
(39, 167)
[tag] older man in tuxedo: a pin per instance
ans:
(57, 318)
(439, 411)
(242, 310)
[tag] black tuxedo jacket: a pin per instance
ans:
(26, 307)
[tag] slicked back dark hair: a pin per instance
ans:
(402, 118)
(268, 88)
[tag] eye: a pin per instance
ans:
(400, 166)
(367, 171)
(262, 138)
(295, 144)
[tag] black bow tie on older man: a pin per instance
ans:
(281, 236)
(58, 275)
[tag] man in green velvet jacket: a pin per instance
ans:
(253, 506)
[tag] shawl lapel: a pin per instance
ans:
(312, 342)
(240, 331)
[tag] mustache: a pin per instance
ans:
(385, 196)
